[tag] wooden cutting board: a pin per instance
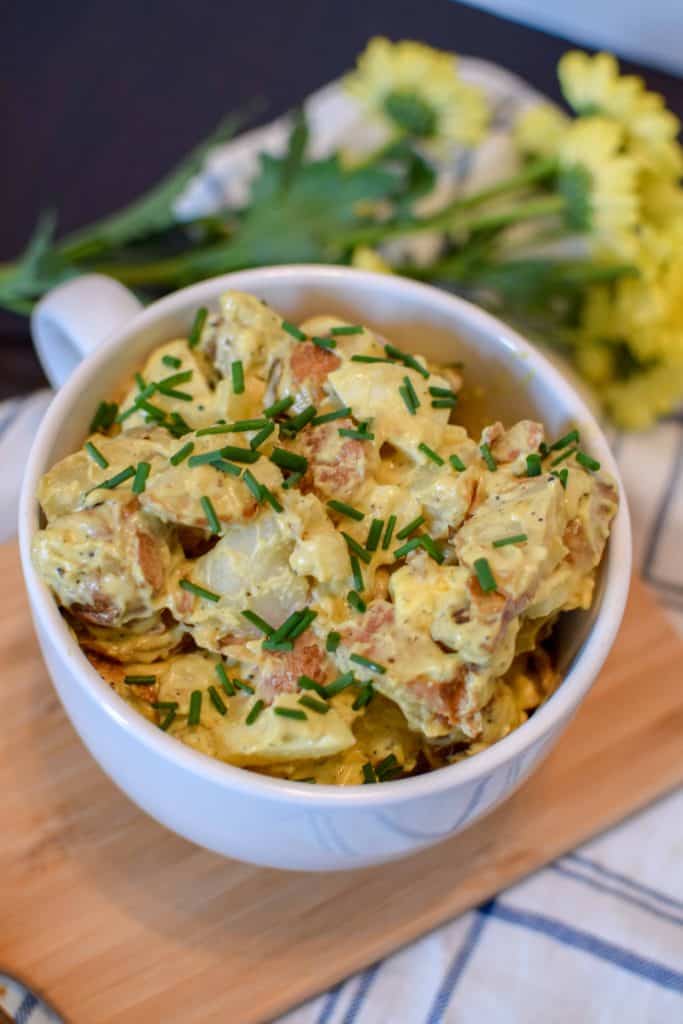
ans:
(116, 919)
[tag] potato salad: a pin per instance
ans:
(279, 545)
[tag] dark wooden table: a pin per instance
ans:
(101, 97)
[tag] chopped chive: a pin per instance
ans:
(296, 423)
(562, 476)
(140, 381)
(288, 460)
(168, 720)
(357, 574)
(407, 530)
(180, 396)
(374, 666)
(562, 442)
(407, 401)
(565, 455)
(285, 628)
(533, 464)
(241, 426)
(237, 375)
(442, 392)
(356, 601)
(386, 767)
(217, 701)
(587, 462)
(241, 685)
(408, 385)
(145, 392)
(516, 538)
(374, 534)
(292, 481)
(302, 625)
(432, 548)
(370, 359)
(367, 692)
(333, 641)
(253, 485)
(488, 458)
(223, 679)
(368, 774)
(205, 457)
(350, 329)
(315, 705)
(328, 417)
(406, 359)
(431, 454)
(141, 474)
(357, 549)
(391, 523)
(339, 684)
(278, 407)
(210, 513)
(114, 481)
(96, 455)
(263, 435)
(345, 510)
(140, 680)
(176, 378)
(257, 621)
(444, 403)
(306, 683)
(194, 588)
(105, 414)
(290, 713)
(543, 448)
(356, 435)
(123, 416)
(178, 426)
(195, 711)
(239, 454)
(326, 343)
(256, 710)
(222, 466)
(197, 326)
(293, 330)
(278, 646)
(181, 454)
(268, 496)
(309, 779)
(409, 546)
(219, 428)
(171, 361)
(457, 463)
(163, 705)
(487, 580)
(153, 411)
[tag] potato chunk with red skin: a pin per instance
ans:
(108, 564)
(337, 465)
(279, 671)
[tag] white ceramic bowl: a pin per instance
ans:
(231, 810)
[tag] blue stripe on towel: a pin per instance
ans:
(366, 981)
(641, 966)
(329, 1006)
(610, 890)
(617, 876)
(457, 967)
(26, 1008)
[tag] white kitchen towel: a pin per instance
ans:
(597, 936)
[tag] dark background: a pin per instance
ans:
(101, 98)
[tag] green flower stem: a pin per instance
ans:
(547, 206)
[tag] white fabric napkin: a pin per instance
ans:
(597, 936)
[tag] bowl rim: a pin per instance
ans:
(585, 665)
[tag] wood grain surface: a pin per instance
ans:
(115, 919)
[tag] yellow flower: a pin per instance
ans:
(365, 258)
(593, 85)
(539, 130)
(630, 339)
(418, 90)
(661, 200)
(599, 183)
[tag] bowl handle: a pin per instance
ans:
(72, 320)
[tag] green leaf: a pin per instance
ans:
(153, 211)
(37, 269)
